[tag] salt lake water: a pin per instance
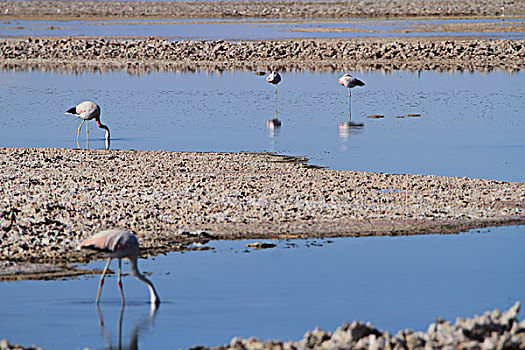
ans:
(209, 297)
(470, 124)
(266, 29)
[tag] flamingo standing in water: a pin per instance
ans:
(274, 78)
(86, 111)
(350, 82)
(119, 244)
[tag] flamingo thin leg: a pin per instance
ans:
(120, 281)
(275, 102)
(100, 317)
(80, 127)
(102, 280)
(349, 105)
(87, 135)
(120, 317)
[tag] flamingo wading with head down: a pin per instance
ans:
(119, 244)
(349, 82)
(86, 111)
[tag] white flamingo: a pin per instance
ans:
(119, 244)
(349, 82)
(86, 111)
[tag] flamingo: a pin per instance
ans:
(350, 82)
(86, 111)
(119, 244)
(274, 78)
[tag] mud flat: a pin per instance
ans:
(54, 198)
(138, 56)
(255, 9)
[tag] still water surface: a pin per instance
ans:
(209, 297)
(471, 124)
(268, 29)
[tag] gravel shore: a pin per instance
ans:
(155, 54)
(53, 198)
(492, 330)
(315, 55)
(255, 9)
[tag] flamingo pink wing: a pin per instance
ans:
(110, 241)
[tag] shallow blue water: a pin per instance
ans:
(260, 29)
(471, 124)
(209, 297)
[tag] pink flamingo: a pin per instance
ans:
(274, 78)
(119, 244)
(86, 111)
(349, 82)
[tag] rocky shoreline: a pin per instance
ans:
(315, 55)
(54, 198)
(492, 330)
(255, 9)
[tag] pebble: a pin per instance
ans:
(261, 245)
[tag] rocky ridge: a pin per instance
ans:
(256, 9)
(492, 330)
(315, 55)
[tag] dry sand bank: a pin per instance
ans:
(138, 56)
(67, 10)
(53, 198)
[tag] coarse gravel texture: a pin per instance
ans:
(54, 198)
(492, 330)
(70, 54)
(256, 9)
(5, 345)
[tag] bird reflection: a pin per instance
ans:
(134, 338)
(347, 128)
(273, 127)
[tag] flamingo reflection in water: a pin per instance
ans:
(349, 82)
(274, 78)
(134, 338)
(346, 130)
(86, 111)
(119, 244)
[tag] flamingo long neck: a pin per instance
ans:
(102, 126)
(155, 300)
